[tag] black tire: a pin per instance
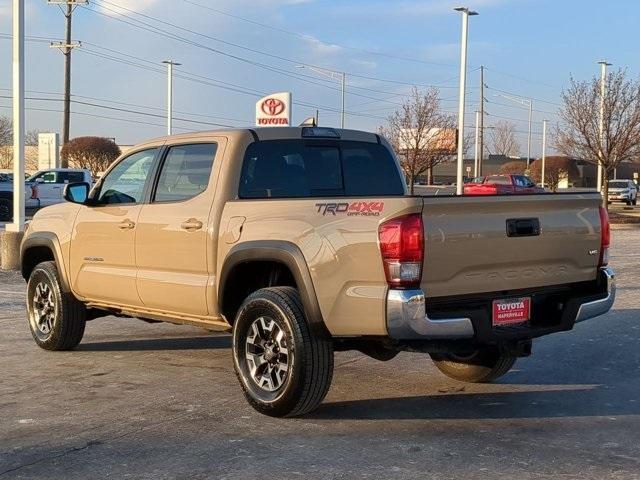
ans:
(56, 318)
(629, 202)
(309, 358)
(635, 201)
(6, 209)
(482, 366)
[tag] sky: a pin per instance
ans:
(234, 51)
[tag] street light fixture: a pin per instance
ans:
(463, 86)
(527, 102)
(170, 64)
(334, 75)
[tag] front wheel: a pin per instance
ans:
(482, 366)
(285, 370)
(56, 318)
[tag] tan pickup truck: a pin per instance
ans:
(303, 241)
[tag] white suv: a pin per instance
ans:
(623, 191)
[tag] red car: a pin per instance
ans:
(501, 185)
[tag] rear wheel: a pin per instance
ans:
(56, 318)
(482, 366)
(6, 209)
(284, 369)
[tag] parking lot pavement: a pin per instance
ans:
(145, 400)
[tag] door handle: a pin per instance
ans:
(126, 225)
(191, 224)
(523, 227)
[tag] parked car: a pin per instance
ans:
(31, 200)
(302, 242)
(625, 191)
(501, 184)
(51, 183)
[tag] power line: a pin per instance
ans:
(157, 30)
(309, 37)
(120, 119)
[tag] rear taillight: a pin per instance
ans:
(402, 249)
(34, 191)
(605, 237)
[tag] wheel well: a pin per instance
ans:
(246, 278)
(32, 257)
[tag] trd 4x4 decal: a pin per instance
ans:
(371, 209)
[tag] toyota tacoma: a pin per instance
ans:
(303, 242)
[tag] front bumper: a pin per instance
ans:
(407, 317)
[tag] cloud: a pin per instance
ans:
(321, 47)
(111, 8)
(439, 7)
(370, 64)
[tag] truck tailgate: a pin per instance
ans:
(468, 249)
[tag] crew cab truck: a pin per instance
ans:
(302, 242)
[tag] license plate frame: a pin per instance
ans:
(510, 311)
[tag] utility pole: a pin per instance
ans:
(66, 47)
(477, 157)
(481, 142)
(544, 149)
(344, 83)
(529, 135)
(463, 85)
(603, 90)
(170, 64)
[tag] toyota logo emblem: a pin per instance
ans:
(272, 107)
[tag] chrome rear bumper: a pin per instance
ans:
(599, 307)
(407, 318)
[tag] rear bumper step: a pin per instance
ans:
(407, 318)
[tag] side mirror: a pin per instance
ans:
(39, 180)
(76, 192)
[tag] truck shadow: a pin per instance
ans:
(579, 401)
(179, 343)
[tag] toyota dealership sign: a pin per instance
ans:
(274, 110)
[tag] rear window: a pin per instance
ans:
(499, 180)
(311, 168)
(618, 184)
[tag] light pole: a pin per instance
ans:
(170, 64)
(527, 102)
(476, 162)
(603, 90)
(463, 86)
(544, 149)
(18, 117)
(334, 75)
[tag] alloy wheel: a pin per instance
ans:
(267, 354)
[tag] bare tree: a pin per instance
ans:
(31, 138)
(422, 135)
(577, 134)
(6, 145)
(92, 153)
(503, 140)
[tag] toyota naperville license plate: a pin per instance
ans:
(511, 311)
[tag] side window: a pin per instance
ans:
(185, 172)
(125, 183)
(70, 177)
(45, 177)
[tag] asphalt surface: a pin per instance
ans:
(140, 400)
